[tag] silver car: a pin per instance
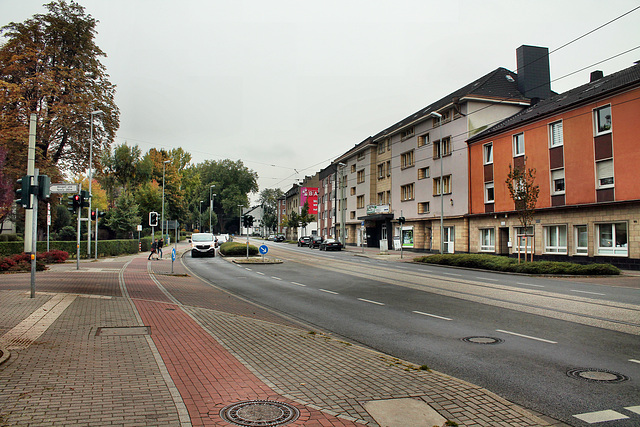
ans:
(202, 244)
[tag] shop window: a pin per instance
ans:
(612, 239)
(488, 240)
(555, 239)
(581, 239)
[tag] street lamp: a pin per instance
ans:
(439, 116)
(211, 187)
(200, 216)
(93, 113)
(162, 219)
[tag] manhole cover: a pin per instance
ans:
(123, 331)
(259, 413)
(482, 340)
(597, 375)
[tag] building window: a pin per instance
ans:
(361, 155)
(518, 145)
(522, 242)
(557, 181)
(381, 147)
(381, 198)
(388, 168)
(604, 170)
(488, 153)
(442, 147)
(612, 239)
(556, 138)
(406, 159)
(407, 133)
(423, 173)
(602, 119)
(406, 192)
(555, 239)
(353, 168)
(488, 192)
(436, 149)
(388, 144)
(360, 176)
(360, 201)
(582, 239)
(423, 140)
(381, 174)
(446, 184)
(352, 215)
(352, 190)
(488, 240)
(423, 207)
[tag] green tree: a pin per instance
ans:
(304, 217)
(6, 190)
(148, 196)
(123, 219)
(269, 201)
(524, 193)
(50, 66)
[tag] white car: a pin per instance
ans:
(202, 244)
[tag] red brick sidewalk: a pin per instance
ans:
(207, 376)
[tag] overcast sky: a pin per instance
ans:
(288, 85)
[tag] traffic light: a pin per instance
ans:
(84, 199)
(101, 214)
(93, 215)
(153, 219)
(249, 221)
(401, 220)
(22, 193)
(44, 187)
(74, 203)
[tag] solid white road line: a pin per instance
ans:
(526, 336)
(298, 284)
(329, 292)
(587, 292)
(432, 315)
(600, 416)
(369, 301)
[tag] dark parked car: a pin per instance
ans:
(331, 245)
(304, 241)
(279, 238)
(315, 242)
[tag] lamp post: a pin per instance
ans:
(93, 113)
(200, 217)
(162, 218)
(211, 187)
(439, 116)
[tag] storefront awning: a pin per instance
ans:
(377, 217)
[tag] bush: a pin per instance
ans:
(237, 249)
(10, 238)
(19, 262)
(500, 263)
(53, 257)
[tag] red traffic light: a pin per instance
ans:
(93, 215)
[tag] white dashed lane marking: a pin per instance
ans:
(276, 278)
(432, 315)
(370, 301)
(526, 336)
(298, 284)
(328, 292)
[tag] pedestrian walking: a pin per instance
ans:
(154, 248)
(160, 244)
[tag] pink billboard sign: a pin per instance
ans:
(309, 194)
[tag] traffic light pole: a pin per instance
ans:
(97, 219)
(34, 236)
(78, 234)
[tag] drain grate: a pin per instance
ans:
(597, 375)
(482, 340)
(259, 413)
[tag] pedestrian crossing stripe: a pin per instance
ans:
(601, 416)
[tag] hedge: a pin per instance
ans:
(500, 263)
(105, 247)
(237, 249)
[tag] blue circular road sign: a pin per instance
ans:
(263, 249)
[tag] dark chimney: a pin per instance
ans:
(596, 75)
(534, 79)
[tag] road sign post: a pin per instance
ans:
(263, 249)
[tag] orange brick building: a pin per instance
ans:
(584, 145)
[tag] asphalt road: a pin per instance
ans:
(535, 341)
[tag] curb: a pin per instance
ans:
(4, 355)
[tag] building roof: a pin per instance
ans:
(500, 85)
(599, 88)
